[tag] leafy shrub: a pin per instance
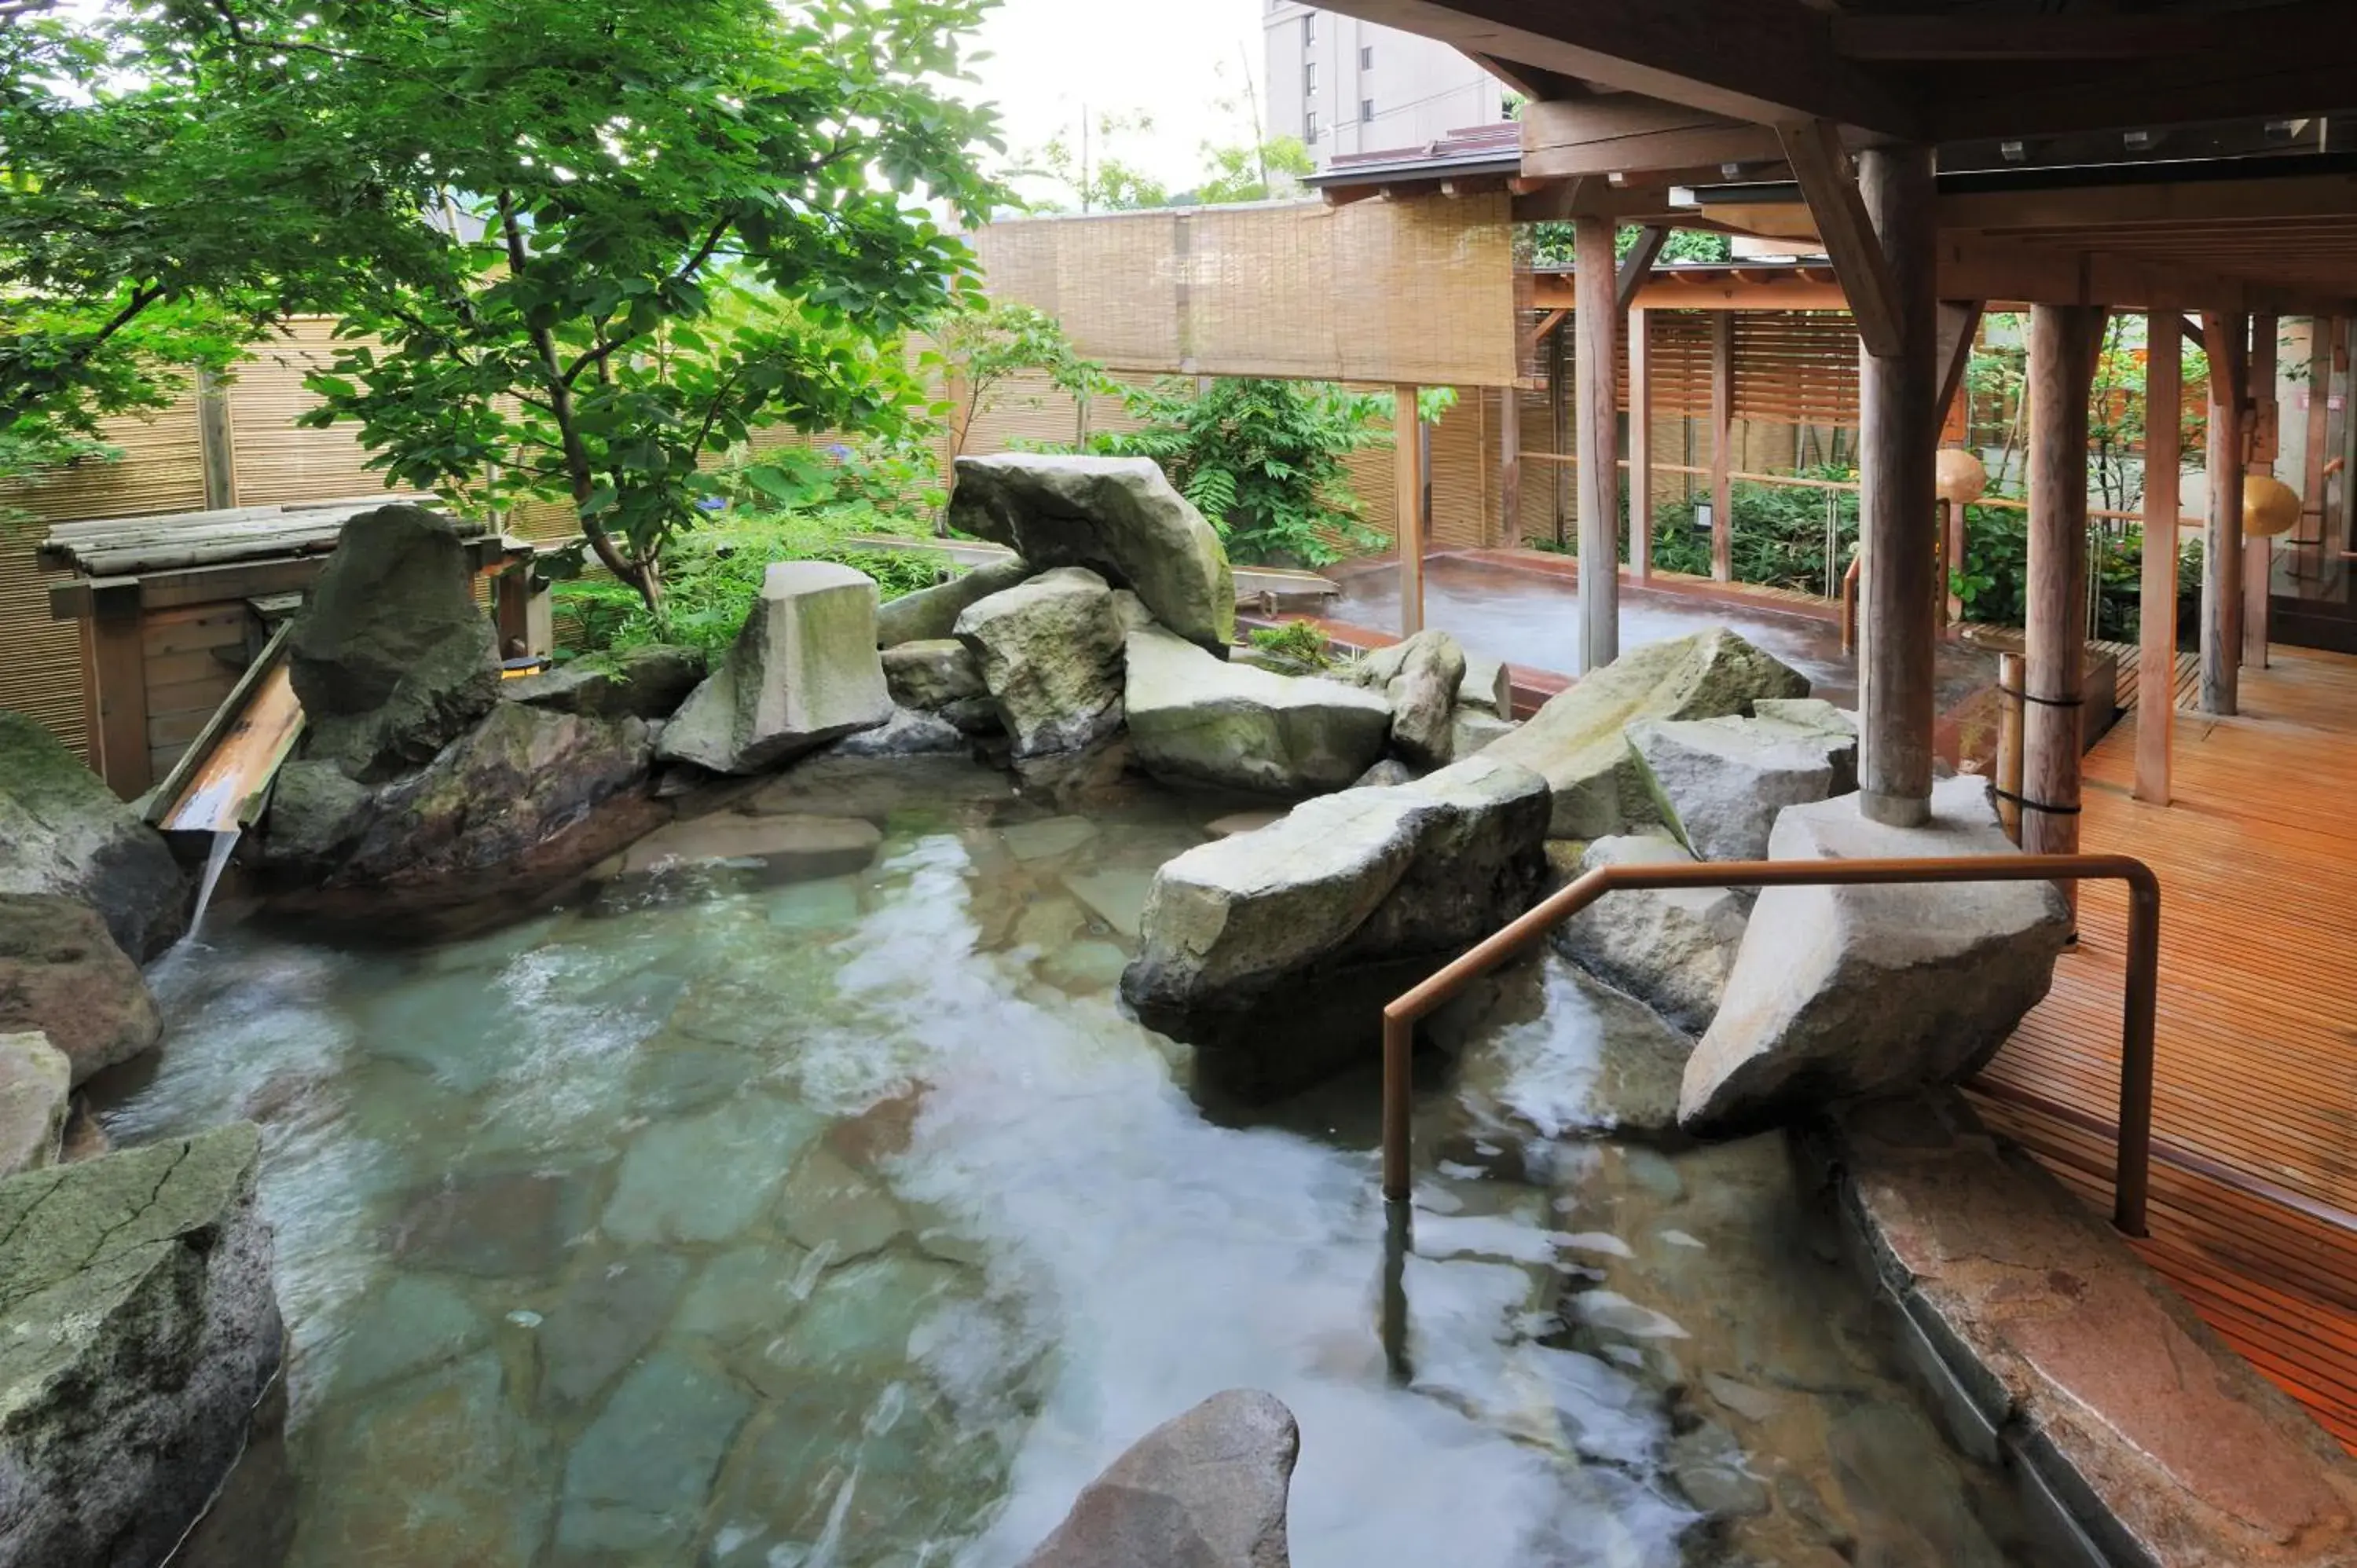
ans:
(714, 576)
(1262, 460)
(1298, 644)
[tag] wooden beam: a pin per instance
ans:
(1736, 58)
(1640, 444)
(2281, 61)
(1982, 266)
(2000, 37)
(1897, 432)
(1637, 266)
(2227, 340)
(2157, 600)
(1821, 166)
(1625, 133)
(1598, 321)
(1722, 443)
(1707, 291)
(1959, 324)
(2054, 679)
(1407, 496)
(2170, 202)
(1532, 81)
(2259, 554)
(1547, 324)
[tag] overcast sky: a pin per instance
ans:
(1173, 60)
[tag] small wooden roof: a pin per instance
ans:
(128, 546)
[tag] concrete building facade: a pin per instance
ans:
(1346, 86)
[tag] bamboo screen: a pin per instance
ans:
(1418, 292)
(1797, 367)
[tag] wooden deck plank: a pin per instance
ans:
(2254, 1188)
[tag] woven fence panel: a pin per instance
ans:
(276, 461)
(1796, 367)
(40, 659)
(1256, 290)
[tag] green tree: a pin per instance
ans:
(171, 190)
(1089, 173)
(674, 223)
(981, 350)
(1551, 244)
(1255, 171)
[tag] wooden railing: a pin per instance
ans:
(2134, 1149)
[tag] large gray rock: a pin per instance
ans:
(1473, 731)
(907, 733)
(1276, 951)
(931, 614)
(142, 1331)
(932, 673)
(648, 682)
(1206, 1489)
(1857, 993)
(523, 803)
(1670, 948)
(1721, 781)
(61, 973)
(391, 655)
(1051, 653)
(802, 673)
(35, 1086)
(1545, 1052)
(1577, 739)
(1116, 516)
(1196, 719)
(62, 831)
(1419, 677)
(1489, 685)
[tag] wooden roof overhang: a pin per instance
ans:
(2185, 154)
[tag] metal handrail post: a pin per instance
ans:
(2133, 1176)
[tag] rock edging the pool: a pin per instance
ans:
(141, 1333)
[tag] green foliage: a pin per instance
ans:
(1297, 645)
(1779, 534)
(1254, 170)
(1551, 244)
(174, 183)
(1088, 173)
(692, 220)
(980, 349)
(1261, 460)
(714, 575)
(1993, 581)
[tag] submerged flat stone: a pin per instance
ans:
(2052, 1342)
(1207, 1489)
(789, 848)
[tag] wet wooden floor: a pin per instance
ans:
(2255, 1182)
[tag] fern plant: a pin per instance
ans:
(1261, 460)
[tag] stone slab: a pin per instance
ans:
(2160, 1443)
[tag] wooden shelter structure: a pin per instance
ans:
(2182, 158)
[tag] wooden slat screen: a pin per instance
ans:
(275, 461)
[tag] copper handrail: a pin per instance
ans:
(2133, 1174)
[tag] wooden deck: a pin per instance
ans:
(2254, 1184)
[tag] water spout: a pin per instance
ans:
(216, 860)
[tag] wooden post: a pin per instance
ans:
(2156, 606)
(1598, 319)
(1722, 438)
(2227, 340)
(215, 442)
(2342, 349)
(2008, 743)
(2258, 555)
(2054, 722)
(1407, 469)
(119, 671)
(1897, 434)
(1509, 467)
(2321, 332)
(1560, 412)
(1641, 445)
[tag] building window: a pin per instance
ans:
(1366, 56)
(1309, 79)
(1366, 110)
(1310, 126)
(1310, 31)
